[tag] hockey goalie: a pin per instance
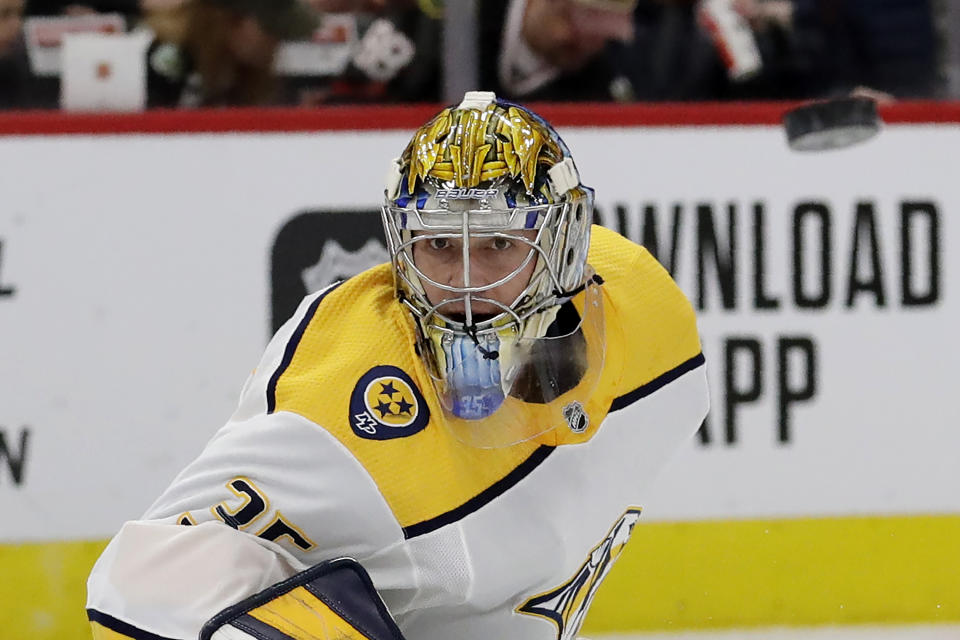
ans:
(454, 445)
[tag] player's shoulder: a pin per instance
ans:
(343, 317)
(363, 299)
(346, 366)
(266, 476)
(629, 268)
(652, 329)
(343, 334)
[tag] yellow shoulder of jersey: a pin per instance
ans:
(651, 327)
(353, 370)
(349, 329)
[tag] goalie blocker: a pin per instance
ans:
(330, 601)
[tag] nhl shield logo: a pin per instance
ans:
(337, 263)
(577, 419)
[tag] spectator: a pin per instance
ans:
(808, 49)
(947, 21)
(786, 69)
(395, 57)
(130, 8)
(15, 78)
(221, 52)
(672, 57)
(11, 25)
(677, 57)
(80, 7)
(555, 49)
(650, 50)
(543, 50)
(888, 46)
(352, 6)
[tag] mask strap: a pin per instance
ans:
(488, 354)
(567, 295)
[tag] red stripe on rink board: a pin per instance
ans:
(406, 117)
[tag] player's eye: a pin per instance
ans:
(501, 244)
(438, 244)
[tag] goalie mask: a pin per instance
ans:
(488, 229)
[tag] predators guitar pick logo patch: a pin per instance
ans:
(567, 605)
(386, 404)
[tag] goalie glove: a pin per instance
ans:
(334, 600)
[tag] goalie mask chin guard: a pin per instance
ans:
(488, 229)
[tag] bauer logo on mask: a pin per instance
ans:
(386, 404)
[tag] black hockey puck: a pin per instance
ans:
(833, 124)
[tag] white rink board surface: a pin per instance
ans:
(137, 280)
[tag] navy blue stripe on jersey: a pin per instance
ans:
(291, 348)
(349, 592)
(257, 629)
(657, 383)
(483, 498)
(121, 627)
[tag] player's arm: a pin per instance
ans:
(162, 580)
(268, 498)
(334, 600)
(271, 495)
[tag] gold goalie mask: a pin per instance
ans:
(488, 229)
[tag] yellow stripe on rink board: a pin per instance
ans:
(696, 575)
(718, 574)
(43, 590)
(100, 632)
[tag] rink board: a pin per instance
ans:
(673, 576)
(141, 275)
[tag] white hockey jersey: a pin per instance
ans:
(335, 450)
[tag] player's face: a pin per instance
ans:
(568, 34)
(491, 260)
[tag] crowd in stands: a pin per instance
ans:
(313, 52)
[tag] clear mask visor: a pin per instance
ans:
(500, 388)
